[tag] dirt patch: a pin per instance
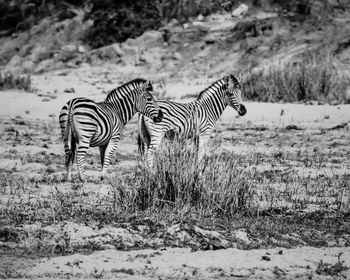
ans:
(182, 263)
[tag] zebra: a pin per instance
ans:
(85, 123)
(186, 120)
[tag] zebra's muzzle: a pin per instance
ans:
(242, 110)
(159, 117)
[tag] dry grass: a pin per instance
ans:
(224, 185)
(298, 82)
(227, 183)
(262, 193)
(9, 80)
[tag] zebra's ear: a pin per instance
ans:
(227, 79)
(148, 85)
(239, 77)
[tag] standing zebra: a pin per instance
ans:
(195, 119)
(85, 123)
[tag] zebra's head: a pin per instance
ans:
(234, 93)
(147, 104)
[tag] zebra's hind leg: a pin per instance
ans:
(109, 150)
(69, 157)
(201, 146)
(68, 164)
(82, 149)
(102, 153)
(153, 147)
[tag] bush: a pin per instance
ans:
(21, 15)
(297, 82)
(9, 80)
(116, 21)
(219, 185)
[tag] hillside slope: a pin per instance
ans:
(201, 48)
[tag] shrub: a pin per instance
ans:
(9, 80)
(297, 82)
(218, 185)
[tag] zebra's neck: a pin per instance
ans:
(123, 100)
(213, 99)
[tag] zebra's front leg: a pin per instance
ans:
(201, 147)
(153, 147)
(109, 150)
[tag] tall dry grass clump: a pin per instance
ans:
(310, 80)
(10, 80)
(219, 184)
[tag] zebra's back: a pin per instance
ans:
(91, 119)
(178, 118)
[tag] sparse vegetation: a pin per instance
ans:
(297, 82)
(225, 186)
(270, 197)
(9, 80)
(335, 270)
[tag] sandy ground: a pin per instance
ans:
(34, 117)
(172, 263)
(50, 97)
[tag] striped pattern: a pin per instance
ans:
(190, 120)
(85, 123)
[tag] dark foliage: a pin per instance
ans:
(116, 21)
(18, 15)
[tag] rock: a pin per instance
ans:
(241, 11)
(25, 50)
(69, 90)
(242, 235)
(342, 242)
(200, 17)
(81, 49)
(347, 96)
(311, 102)
(148, 39)
(117, 49)
(186, 25)
(266, 258)
(198, 23)
(40, 53)
(15, 62)
(69, 48)
(108, 52)
(293, 127)
(44, 65)
(177, 56)
(210, 41)
(28, 66)
(174, 22)
(242, 273)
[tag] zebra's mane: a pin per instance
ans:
(220, 81)
(117, 93)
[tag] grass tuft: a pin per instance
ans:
(217, 185)
(297, 83)
(10, 80)
(334, 270)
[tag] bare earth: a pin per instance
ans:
(31, 148)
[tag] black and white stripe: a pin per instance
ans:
(195, 119)
(85, 123)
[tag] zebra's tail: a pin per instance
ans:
(68, 135)
(143, 137)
